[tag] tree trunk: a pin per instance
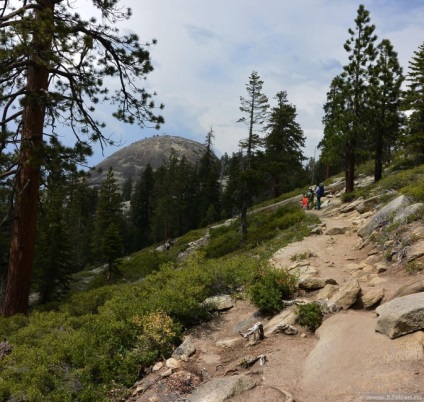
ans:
(378, 159)
(27, 183)
(350, 171)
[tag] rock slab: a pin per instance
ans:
(222, 389)
(401, 316)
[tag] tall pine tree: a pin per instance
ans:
(283, 143)
(384, 104)
(142, 210)
(255, 108)
(107, 240)
(209, 191)
(53, 66)
(414, 102)
(356, 76)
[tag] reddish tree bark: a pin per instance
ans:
(27, 183)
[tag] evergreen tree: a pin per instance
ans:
(347, 110)
(142, 209)
(59, 232)
(54, 258)
(255, 107)
(209, 192)
(385, 98)
(231, 194)
(81, 213)
(186, 191)
(111, 247)
(108, 220)
(283, 143)
(52, 69)
(336, 122)
(165, 201)
(414, 102)
(356, 76)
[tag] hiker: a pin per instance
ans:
(310, 195)
(319, 192)
(305, 201)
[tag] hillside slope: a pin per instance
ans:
(344, 360)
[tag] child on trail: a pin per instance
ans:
(305, 202)
(310, 195)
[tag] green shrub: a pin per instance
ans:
(413, 267)
(357, 193)
(223, 244)
(270, 287)
(309, 315)
(88, 302)
(415, 190)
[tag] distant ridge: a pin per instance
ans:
(133, 159)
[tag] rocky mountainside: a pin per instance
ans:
(133, 159)
(370, 345)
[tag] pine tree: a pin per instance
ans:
(111, 247)
(385, 98)
(142, 209)
(414, 102)
(336, 122)
(54, 258)
(107, 236)
(356, 76)
(255, 107)
(209, 192)
(283, 143)
(52, 69)
(231, 197)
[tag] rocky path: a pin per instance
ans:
(345, 360)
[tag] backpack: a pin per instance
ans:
(321, 190)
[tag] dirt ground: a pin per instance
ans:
(345, 360)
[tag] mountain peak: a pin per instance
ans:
(133, 159)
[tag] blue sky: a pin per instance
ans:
(207, 50)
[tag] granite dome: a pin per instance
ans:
(133, 159)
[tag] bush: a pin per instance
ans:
(222, 244)
(270, 287)
(309, 315)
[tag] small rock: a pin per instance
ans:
(157, 366)
(337, 231)
(166, 373)
(222, 302)
(380, 268)
(187, 348)
(172, 363)
(327, 291)
(372, 297)
(347, 294)
(303, 335)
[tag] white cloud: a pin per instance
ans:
(207, 50)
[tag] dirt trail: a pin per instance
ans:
(345, 360)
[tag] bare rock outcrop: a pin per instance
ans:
(383, 215)
(401, 316)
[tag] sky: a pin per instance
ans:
(206, 51)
